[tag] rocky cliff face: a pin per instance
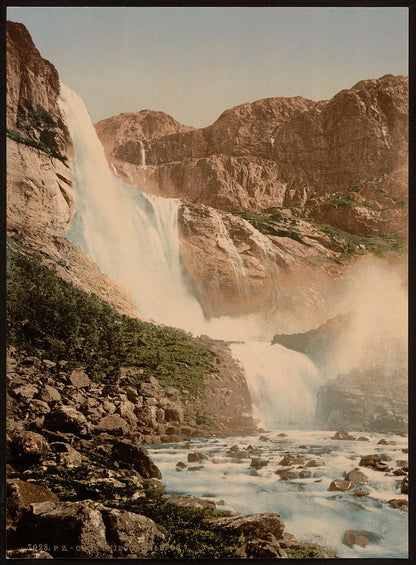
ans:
(279, 151)
(39, 147)
(315, 180)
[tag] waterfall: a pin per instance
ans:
(282, 383)
(142, 154)
(133, 237)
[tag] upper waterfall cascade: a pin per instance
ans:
(133, 237)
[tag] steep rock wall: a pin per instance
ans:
(39, 147)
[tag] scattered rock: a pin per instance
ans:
(21, 494)
(181, 465)
(374, 461)
(132, 534)
(361, 492)
(313, 463)
(113, 424)
(405, 450)
(384, 441)
(49, 394)
(192, 502)
(77, 525)
(401, 503)
(341, 485)
(26, 447)
(258, 526)
(67, 419)
(404, 485)
(287, 474)
(196, 468)
(292, 460)
(304, 474)
(385, 457)
(257, 462)
(363, 438)
(196, 457)
(126, 452)
(79, 378)
(66, 455)
(356, 476)
(263, 438)
(282, 435)
(360, 537)
(343, 435)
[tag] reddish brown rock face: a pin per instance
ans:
(276, 151)
(39, 185)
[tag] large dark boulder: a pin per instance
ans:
(126, 452)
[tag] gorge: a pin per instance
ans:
(240, 236)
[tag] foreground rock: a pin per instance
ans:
(87, 529)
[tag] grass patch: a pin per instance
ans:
(269, 224)
(382, 245)
(36, 128)
(188, 533)
(51, 318)
(341, 200)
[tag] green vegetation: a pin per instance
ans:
(36, 128)
(268, 224)
(51, 318)
(341, 200)
(188, 532)
(382, 245)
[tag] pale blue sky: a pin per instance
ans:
(193, 63)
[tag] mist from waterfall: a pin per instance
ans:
(133, 237)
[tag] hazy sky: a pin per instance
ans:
(193, 63)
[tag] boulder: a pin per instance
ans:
(70, 529)
(130, 534)
(363, 438)
(24, 392)
(340, 485)
(258, 526)
(304, 474)
(384, 441)
(21, 494)
(38, 407)
(196, 468)
(192, 502)
(356, 476)
(181, 465)
(404, 485)
(361, 492)
(257, 462)
(174, 413)
(26, 447)
(49, 394)
(66, 455)
(126, 452)
(313, 463)
(67, 419)
(126, 411)
(374, 461)
(261, 549)
(287, 474)
(343, 435)
(291, 460)
(360, 537)
(112, 424)
(195, 457)
(79, 378)
(401, 503)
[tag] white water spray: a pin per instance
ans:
(133, 237)
(142, 154)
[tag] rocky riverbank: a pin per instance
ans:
(81, 484)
